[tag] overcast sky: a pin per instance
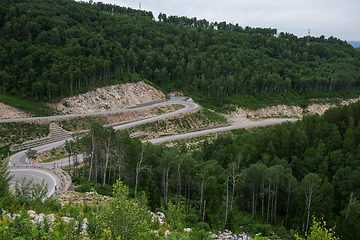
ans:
(336, 18)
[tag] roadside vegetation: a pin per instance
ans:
(19, 132)
(267, 180)
(266, 175)
(289, 181)
(52, 155)
(256, 101)
(28, 105)
(178, 124)
(83, 123)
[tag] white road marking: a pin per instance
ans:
(49, 194)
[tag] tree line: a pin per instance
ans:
(56, 48)
(280, 175)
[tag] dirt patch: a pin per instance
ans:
(51, 155)
(9, 112)
(108, 98)
(76, 198)
(281, 111)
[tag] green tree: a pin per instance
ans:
(39, 191)
(31, 154)
(5, 178)
(123, 217)
(152, 195)
(23, 188)
(309, 186)
(317, 231)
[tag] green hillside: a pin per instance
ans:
(56, 48)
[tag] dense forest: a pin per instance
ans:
(280, 175)
(269, 180)
(60, 47)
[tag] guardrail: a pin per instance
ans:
(57, 192)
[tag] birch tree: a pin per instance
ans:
(166, 165)
(108, 136)
(291, 186)
(309, 185)
(205, 170)
(139, 168)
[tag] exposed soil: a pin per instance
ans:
(283, 111)
(108, 98)
(7, 112)
(91, 198)
(122, 96)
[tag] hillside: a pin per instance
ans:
(77, 57)
(109, 98)
(59, 48)
(11, 112)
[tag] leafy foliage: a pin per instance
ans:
(5, 178)
(54, 48)
(123, 217)
(318, 230)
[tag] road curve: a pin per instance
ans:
(19, 159)
(37, 174)
(173, 100)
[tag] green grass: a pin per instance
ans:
(55, 158)
(27, 105)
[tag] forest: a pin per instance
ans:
(55, 48)
(276, 176)
(270, 180)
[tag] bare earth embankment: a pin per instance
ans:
(280, 111)
(126, 95)
(9, 112)
(108, 98)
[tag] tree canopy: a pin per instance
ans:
(54, 48)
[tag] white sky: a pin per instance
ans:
(336, 18)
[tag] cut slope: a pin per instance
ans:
(11, 112)
(109, 98)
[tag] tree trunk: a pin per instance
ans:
(276, 192)
(227, 201)
(202, 225)
(268, 210)
(92, 156)
(138, 170)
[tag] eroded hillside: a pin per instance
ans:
(109, 98)
(9, 112)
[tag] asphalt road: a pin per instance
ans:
(173, 100)
(19, 159)
(38, 174)
(214, 130)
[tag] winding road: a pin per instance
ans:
(19, 166)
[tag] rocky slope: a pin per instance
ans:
(121, 96)
(245, 115)
(108, 98)
(7, 112)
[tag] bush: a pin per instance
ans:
(206, 226)
(200, 235)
